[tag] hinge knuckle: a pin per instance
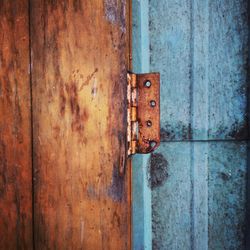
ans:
(143, 112)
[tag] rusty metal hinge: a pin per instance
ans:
(143, 112)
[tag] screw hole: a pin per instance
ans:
(152, 144)
(152, 103)
(147, 84)
(149, 123)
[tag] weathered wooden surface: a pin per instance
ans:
(78, 51)
(15, 128)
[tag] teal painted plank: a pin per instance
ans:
(198, 195)
(227, 195)
(228, 64)
(198, 189)
(171, 196)
(140, 36)
(170, 35)
(142, 212)
(141, 192)
(201, 49)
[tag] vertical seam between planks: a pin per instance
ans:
(247, 236)
(191, 123)
(31, 125)
(208, 112)
(195, 7)
(209, 140)
(147, 197)
(207, 23)
(129, 162)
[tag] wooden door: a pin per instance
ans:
(64, 181)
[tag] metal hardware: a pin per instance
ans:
(143, 112)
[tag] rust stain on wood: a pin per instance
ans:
(81, 199)
(89, 77)
(15, 128)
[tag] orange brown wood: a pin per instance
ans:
(15, 127)
(79, 57)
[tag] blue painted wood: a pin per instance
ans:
(142, 212)
(227, 195)
(141, 192)
(201, 49)
(198, 176)
(201, 203)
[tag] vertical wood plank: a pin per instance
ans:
(15, 128)
(79, 57)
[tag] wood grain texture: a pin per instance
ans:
(79, 57)
(15, 128)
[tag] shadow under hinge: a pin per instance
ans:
(143, 112)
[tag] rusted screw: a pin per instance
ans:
(152, 103)
(152, 144)
(149, 123)
(147, 84)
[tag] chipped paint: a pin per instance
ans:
(179, 131)
(115, 13)
(116, 189)
(111, 10)
(94, 89)
(157, 170)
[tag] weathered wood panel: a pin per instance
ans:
(15, 128)
(79, 58)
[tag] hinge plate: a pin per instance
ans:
(143, 114)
